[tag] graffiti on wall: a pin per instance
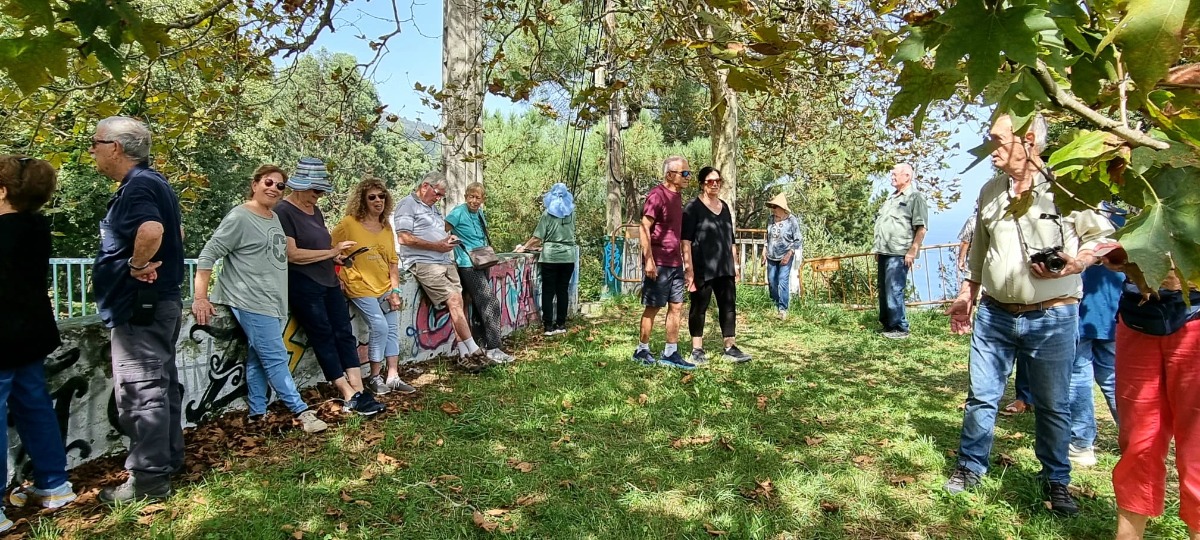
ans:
(211, 362)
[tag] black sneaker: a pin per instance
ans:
(963, 479)
(735, 355)
(698, 357)
(132, 491)
(364, 404)
(675, 360)
(644, 357)
(1061, 500)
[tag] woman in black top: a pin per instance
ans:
(710, 265)
(28, 332)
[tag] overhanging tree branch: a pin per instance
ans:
(193, 20)
(1060, 98)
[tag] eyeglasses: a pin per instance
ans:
(439, 194)
(685, 173)
(711, 181)
(376, 197)
(270, 182)
(101, 141)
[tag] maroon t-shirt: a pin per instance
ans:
(665, 207)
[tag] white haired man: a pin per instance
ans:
(899, 231)
(1028, 268)
(662, 264)
(137, 278)
(426, 252)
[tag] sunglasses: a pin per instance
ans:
(269, 182)
(376, 197)
(685, 174)
(711, 181)
(101, 141)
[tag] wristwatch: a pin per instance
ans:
(129, 263)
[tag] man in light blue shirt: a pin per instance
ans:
(425, 251)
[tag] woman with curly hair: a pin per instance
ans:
(371, 279)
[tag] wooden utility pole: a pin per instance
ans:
(462, 108)
(614, 151)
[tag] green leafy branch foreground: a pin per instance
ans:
(831, 432)
(1128, 71)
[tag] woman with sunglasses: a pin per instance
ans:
(28, 332)
(710, 266)
(467, 222)
(254, 284)
(371, 279)
(314, 292)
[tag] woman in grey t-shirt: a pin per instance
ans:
(254, 285)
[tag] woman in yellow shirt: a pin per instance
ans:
(371, 279)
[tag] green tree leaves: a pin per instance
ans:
(1151, 36)
(984, 35)
(1165, 233)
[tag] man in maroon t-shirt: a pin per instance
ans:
(662, 262)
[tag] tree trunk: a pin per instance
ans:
(462, 108)
(723, 131)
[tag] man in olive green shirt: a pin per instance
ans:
(899, 231)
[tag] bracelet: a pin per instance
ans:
(397, 291)
(129, 263)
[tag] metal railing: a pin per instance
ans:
(848, 280)
(71, 286)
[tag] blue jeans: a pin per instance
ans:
(1022, 385)
(1046, 341)
(779, 280)
(1095, 359)
(384, 336)
(267, 362)
(23, 391)
(892, 278)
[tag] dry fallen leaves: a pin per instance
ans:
(712, 530)
(830, 507)
(901, 481)
(687, 378)
(523, 466)
(643, 399)
(813, 441)
(761, 403)
(531, 499)
(863, 460)
(451, 408)
(1005, 460)
(690, 441)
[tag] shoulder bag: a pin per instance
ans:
(483, 257)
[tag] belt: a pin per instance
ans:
(1025, 308)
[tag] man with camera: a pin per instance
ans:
(137, 278)
(1027, 265)
(426, 251)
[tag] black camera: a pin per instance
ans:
(1050, 258)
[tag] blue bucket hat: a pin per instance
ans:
(310, 174)
(558, 201)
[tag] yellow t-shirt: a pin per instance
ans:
(369, 276)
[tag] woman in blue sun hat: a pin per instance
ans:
(314, 294)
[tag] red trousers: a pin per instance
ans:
(1158, 397)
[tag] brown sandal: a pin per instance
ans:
(1017, 407)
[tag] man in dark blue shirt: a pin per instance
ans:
(137, 277)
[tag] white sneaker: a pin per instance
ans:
(783, 314)
(498, 356)
(46, 498)
(1083, 457)
(310, 423)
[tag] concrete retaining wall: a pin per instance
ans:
(211, 361)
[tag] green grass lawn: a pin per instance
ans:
(831, 432)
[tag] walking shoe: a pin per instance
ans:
(644, 357)
(377, 385)
(310, 423)
(5, 523)
(1082, 457)
(735, 355)
(398, 385)
(699, 358)
(474, 362)
(131, 492)
(47, 498)
(1061, 500)
(963, 479)
(559, 330)
(254, 420)
(363, 404)
(783, 314)
(896, 334)
(675, 360)
(498, 356)
(550, 332)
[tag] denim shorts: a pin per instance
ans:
(668, 287)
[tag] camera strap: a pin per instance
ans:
(1021, 233)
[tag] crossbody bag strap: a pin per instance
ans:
(483, 223)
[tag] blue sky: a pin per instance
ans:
(415, 56)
